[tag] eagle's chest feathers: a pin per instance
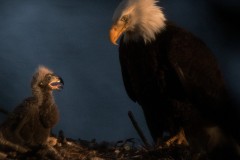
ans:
(146, 72)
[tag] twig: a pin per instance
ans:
(138, 129)
(8, 144)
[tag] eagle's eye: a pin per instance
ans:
(125, 19)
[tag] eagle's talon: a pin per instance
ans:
(180, 139)
(52, 141)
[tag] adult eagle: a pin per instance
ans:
(174, 76)
(29, 125)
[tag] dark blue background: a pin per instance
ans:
(71, 38)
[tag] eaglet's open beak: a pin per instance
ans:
(56, 83)
(115, 32)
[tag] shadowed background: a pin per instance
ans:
(71, 38)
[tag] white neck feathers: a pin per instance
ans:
(148, 20)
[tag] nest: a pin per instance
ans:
(69, 149)
(128, 149)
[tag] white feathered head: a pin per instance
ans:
(137, 19)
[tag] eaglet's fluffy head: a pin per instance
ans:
(39, 75)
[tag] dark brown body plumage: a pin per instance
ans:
(177, 81)
(30, 123)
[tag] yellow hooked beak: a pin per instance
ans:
(115, 32)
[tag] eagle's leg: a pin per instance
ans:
(179, 138)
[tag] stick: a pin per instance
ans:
(16, 147)
(138, 129)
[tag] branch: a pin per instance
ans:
(138, 129)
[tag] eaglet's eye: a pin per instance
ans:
(48, 76)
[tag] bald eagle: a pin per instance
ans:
(30, 123)
(174, 77)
